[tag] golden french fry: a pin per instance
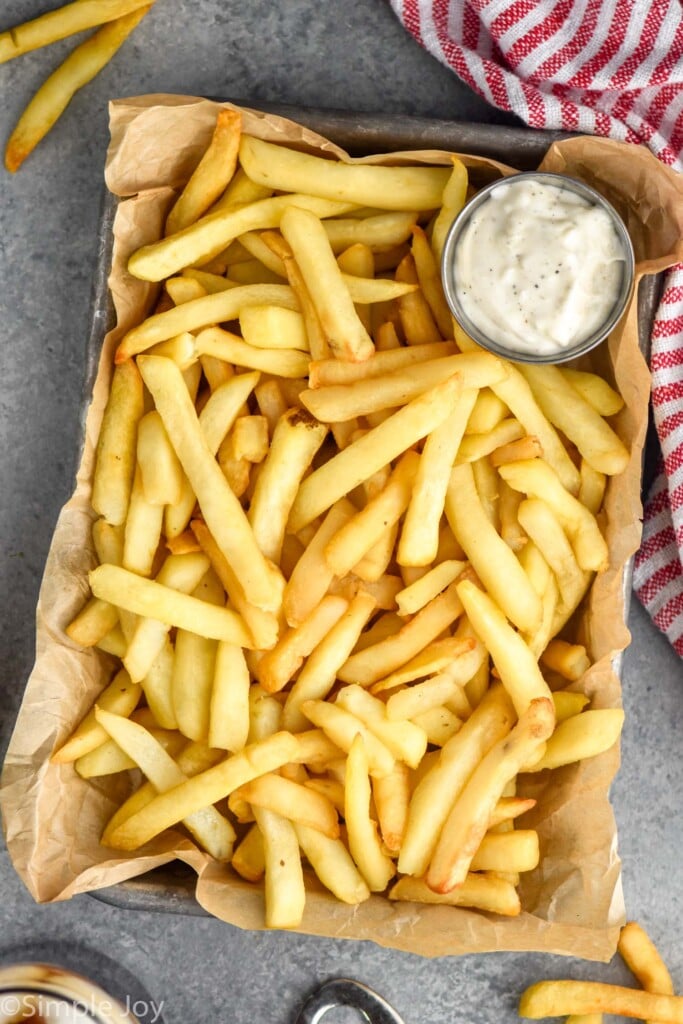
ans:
(296, 439)
(364, 843)
(488, 412)
(592, 489)
(478, 446)
(311, 576)
(413, 700)
(378, 232)
(240, 191)
(273, 327)
(515, 663)
(491, 558)
(415, 596)
(208, 787)
(570, 660)
(558, 998)
(391, 795)
(293, 801)
(318, 675)
(513, 451)
(143, 530)
(567, 410)
(181, 289)
(357, 536)
(537, 479)
(580, 737)
(337, 403)
(429, 278)
(337, 372)
(318, 342)
(61, 22)
(595, 390)
(304, 233)
(284, 889)
(393, 188)
(248, 860)
(278, 666)
(406, 741)
(508, 808)
(284, 362)
(161, 473)
(121, 697)
(452, 202)
(436, 657)
(224, 515)
(210, 828)
(333, 865)
(79, 68)
(262, 625)
(382, 658)
(92, 623)
(469, 815)
(201, 242)
(229, 707)
(642, 958)
(567, 704)
(371, 452)
(420, 534)
(438, 724)
(115, 465)
(341, 726)
(212, 174)
(108, 759)
(416, 319)
(154, 600)
(224, 406)
(483, 892)
(507, 851)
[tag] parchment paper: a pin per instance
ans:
(53, 819)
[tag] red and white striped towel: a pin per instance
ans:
(603, 67)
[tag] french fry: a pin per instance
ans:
(201, 242)
(121, 697)
(224, 406)
(567, 704)
(208, 787)
(337, 403)
(62, 22)
(514, 451)
(290, 800)
(505, 433)
(224, 516)
(508, 808)
(366, 528)
(429, 279)
(108, 759)
(341, 726)
(279, 665)
(642, 958)
(580, 737)
(420, 534)
(333, 865)
(364, 843)
(492, 560)
(416, 317)
(537, 479)
(296, 439)
(394, 188)
(181, 289)
(406, 741)
(413, 700)
(491, 721)
(157, 685)
(483, 892)
(438, 724)
(284, 888)
(248, 860)
(154, 600)
(212, 174)
(515, 663)
(240, 191)
(570, 660)
(391, 795)
(595, 390)
(318, 342)
(468, 818)
(592, 489)
(378, 232)
(489, 410)
(312, 575)
(436, 657)
(452, 202)
(347, 336)
(143, 530)
(414, 597)
(558, 998)
(160, 471)
(115, 464)
(368, 666)
(371, 452)
(273, 327)
(318, 675)
(567, 410)
(210, 828)
(507, 851)
(92, 623)
(337, 372)
(79, 68)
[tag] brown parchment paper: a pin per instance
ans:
(53, 819)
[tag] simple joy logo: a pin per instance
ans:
(15, 1008)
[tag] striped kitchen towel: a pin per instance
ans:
(603, 67)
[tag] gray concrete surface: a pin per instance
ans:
(350, 55)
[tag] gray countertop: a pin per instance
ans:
(351, 55)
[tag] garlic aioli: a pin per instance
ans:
(538, 268)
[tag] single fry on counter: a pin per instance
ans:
(339, 548)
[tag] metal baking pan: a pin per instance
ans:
(171, 889)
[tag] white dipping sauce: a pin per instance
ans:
(537, 267)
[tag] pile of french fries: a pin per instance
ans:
(585, 1002)
(114, 20)
(340, 546)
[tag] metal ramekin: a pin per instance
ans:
(510, 352)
